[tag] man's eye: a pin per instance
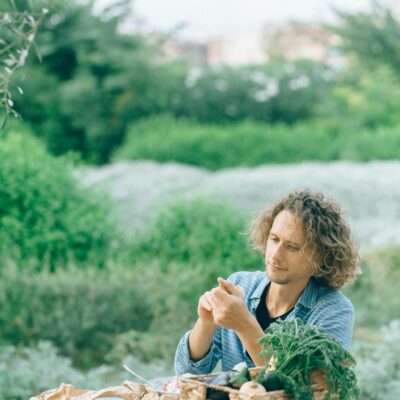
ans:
(292, 248)
(274, 239)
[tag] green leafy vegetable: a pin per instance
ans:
(300, 349)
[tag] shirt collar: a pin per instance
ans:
(307, 299)
(256, 295)
(309, 296)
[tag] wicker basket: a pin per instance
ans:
(195, 388)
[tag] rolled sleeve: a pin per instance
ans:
(184, 364)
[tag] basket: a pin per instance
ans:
(194, 388)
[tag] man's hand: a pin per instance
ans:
(228, 306)
(204, 309)
(229, 288)
(200, 338)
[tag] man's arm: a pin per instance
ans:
(202, 334)
(200, 349)
(184, 364)
(200, 339)
(249, 336)
(231, 312)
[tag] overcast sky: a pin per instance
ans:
(206, 19)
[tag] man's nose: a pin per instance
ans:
(276, 252)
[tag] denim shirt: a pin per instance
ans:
(317, 305)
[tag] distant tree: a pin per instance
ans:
(93, 79)
(373, 37)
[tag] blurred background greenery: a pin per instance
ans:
(77, 294)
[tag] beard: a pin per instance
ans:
(275, 276)
(278, 280)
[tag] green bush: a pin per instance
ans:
(46, 217)
(164, 138)
(78, 311)
(172, 300)
(198, 233)
(365, 98)
(366, 145)
(375, 292)
(248, 143)
(94, 317)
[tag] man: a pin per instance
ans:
(309, 255)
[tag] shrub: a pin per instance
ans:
(78, 311)
(45, 216)
(222, 146)
(95, 317)
(172, 299)
(198, 233)
(164, 138)
(367, 145)
(381, 274)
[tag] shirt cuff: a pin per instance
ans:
(200, 366)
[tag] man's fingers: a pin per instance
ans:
(205, 302)
(218, 296)
(230, 288)
(224, 284)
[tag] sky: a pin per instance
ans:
(207, 19)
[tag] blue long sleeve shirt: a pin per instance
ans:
(317, 305)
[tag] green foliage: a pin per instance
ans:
(299, 349)
(364, 98)
(222, 146)
(46, 217)
(199, 233)
(381, 274)
(94, 315)
(250, 143)
(92, 80)
(18, 28)
(95, 81)
(373, 37)
(277, 92)
(367, 94)
(78, 311)
(172, 298)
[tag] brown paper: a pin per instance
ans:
(128, 391)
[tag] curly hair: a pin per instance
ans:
(327, 233)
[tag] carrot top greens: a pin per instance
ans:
(299, 349)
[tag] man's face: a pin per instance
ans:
(287, 258)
